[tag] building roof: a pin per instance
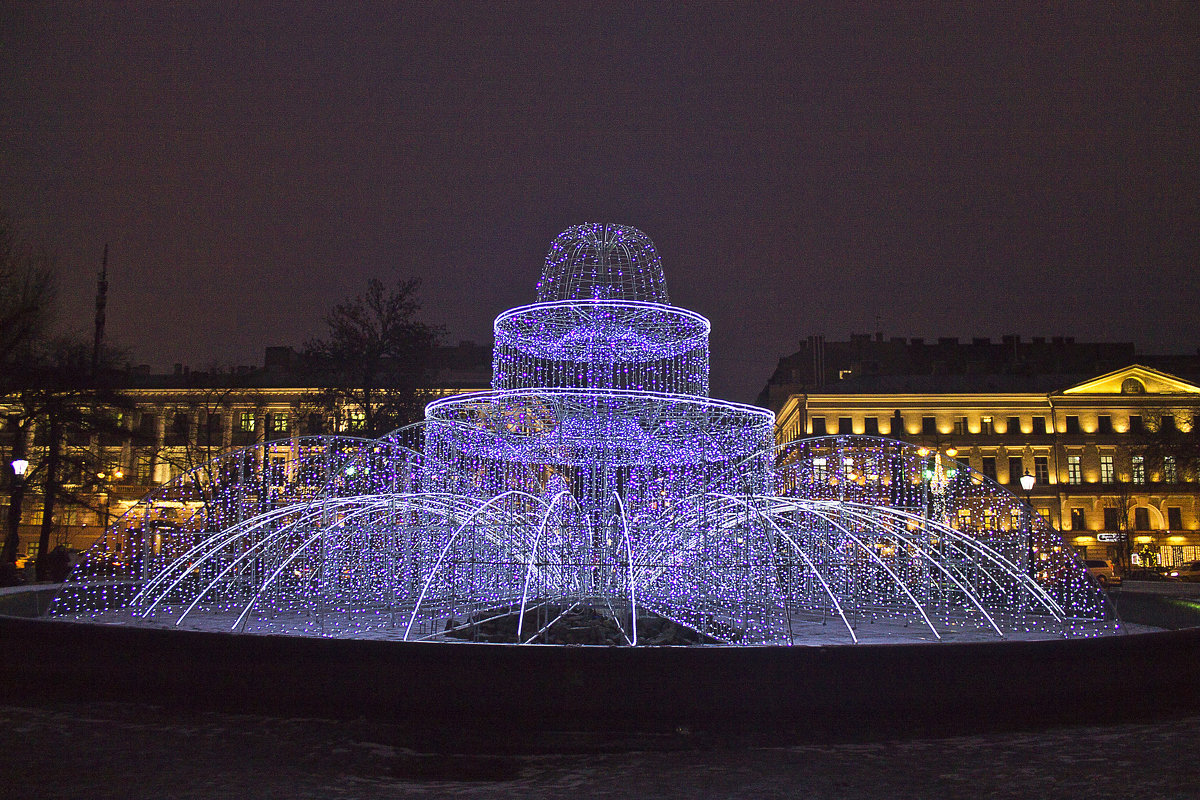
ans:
(462, 367)
(872, 365)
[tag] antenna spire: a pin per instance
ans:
(101, 302)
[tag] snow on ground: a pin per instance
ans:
(103, 750)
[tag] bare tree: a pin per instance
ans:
(27, 311)
(68, 407)
(376, 362)
(54, 388)
(1120, 496)
(196, 430)
(1169, 443)
(28, 294)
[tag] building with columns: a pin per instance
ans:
(1109, 435)
(173, 423)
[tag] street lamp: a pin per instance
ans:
(13, 540)
(1027, 482)
(103, 481)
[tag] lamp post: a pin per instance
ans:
(104, 481)
(13, 539)
(1027, 482)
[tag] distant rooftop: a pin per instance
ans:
(873, 364)
(466, 365)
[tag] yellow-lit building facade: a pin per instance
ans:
(1081, 442)
(173, 424)
(170, 432)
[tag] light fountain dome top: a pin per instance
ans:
(602, 261)
(602, 320)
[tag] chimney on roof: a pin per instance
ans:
(817, 347)
(279, 359)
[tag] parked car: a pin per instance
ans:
(1187, 571)
(1102, 570)
(1150, 574)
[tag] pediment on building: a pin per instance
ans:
(1134, 380)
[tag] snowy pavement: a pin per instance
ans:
(108, 750)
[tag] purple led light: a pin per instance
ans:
(597, 473)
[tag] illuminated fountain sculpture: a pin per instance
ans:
(595, 495)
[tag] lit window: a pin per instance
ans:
(245, 421)
(356, 420)
(279, 423)
(1074, 471)
(1078, 520)
(820, 469)
(1170, 472)
(1139, 469)
(1107, 472)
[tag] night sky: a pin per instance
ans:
(1031, 169)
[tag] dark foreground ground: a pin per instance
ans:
(130, 750)
(98, 751)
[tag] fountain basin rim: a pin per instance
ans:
(619, 395)
(703, 325)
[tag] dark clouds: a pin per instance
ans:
(1031, 169)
